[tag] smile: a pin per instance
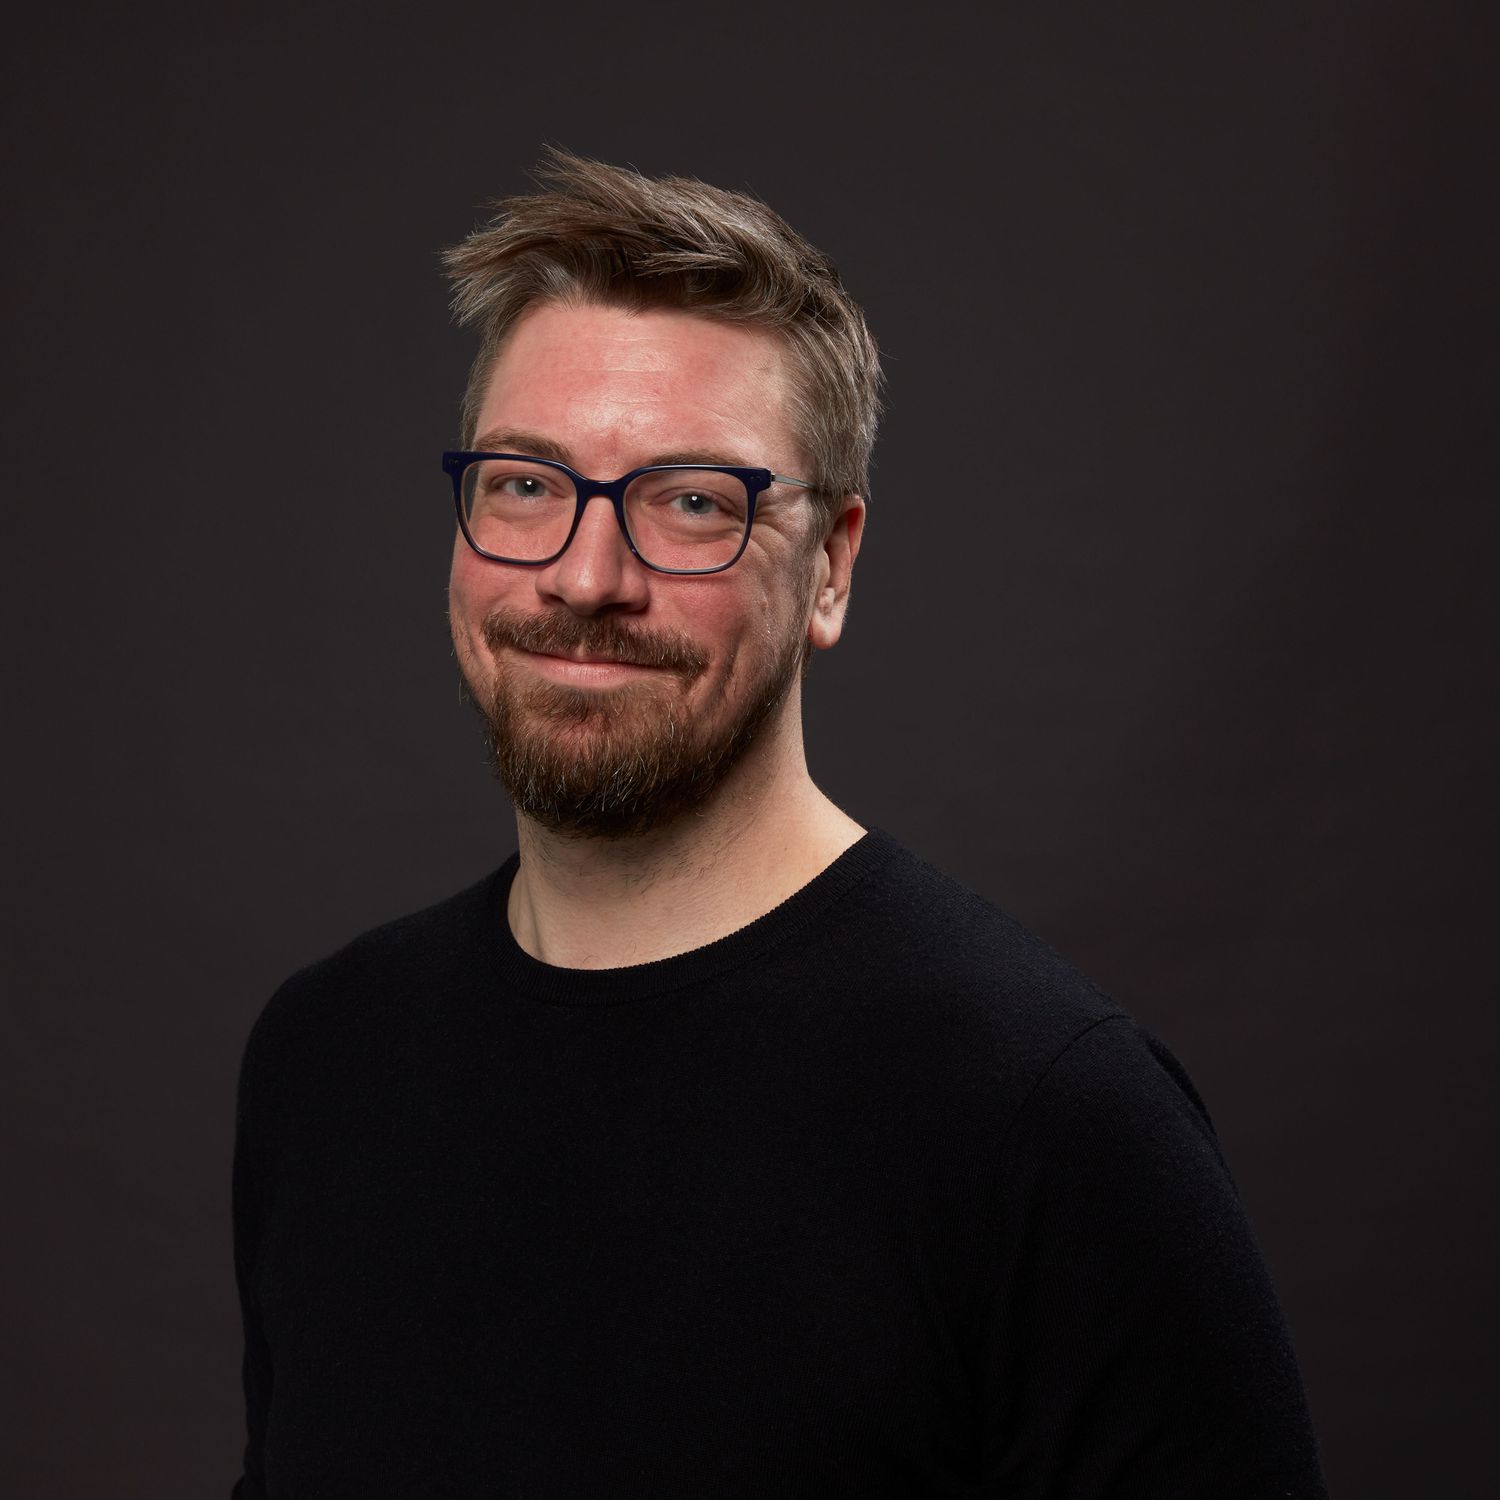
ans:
(595, 672)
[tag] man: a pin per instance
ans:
(715, 1145)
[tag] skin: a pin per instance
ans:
(616, 390)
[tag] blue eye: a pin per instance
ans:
(525, 486)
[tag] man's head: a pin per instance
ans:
(626, 322)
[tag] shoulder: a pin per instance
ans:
(369, 974)
(992, 1015)
(962, 967)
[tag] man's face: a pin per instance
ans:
(682, 672)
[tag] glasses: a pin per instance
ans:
(516, 509)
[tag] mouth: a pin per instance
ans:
(598, 671)
(591, 661)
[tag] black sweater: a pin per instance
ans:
(875, 1196)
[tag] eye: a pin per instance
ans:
(695, 502)
(522, 486)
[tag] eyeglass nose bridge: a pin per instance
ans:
(585, 490)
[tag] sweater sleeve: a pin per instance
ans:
(1134, 1346)
(246, 1218)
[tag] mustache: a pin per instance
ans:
(599, 635)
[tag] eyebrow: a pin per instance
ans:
(533, 444)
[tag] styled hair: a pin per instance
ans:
(607, 234)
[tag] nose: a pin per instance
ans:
(598, 572)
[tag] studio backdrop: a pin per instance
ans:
(1171, 633)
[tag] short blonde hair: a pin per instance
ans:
(600, 233)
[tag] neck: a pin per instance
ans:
(582, 903)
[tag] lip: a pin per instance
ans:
(587, 670)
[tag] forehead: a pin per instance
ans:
(614, 382)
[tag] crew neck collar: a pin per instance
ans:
(531, 979)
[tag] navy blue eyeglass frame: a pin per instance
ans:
(756, 482)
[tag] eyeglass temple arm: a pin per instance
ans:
(801, 483)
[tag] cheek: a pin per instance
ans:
(748, 631)
(469, 599)
(458, 597)
(477, 584)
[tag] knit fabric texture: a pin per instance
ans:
(875, 1196)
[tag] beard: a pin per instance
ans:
(619, 762)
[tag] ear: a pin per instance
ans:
(833, 565)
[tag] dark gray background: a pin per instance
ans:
(1171, 633)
